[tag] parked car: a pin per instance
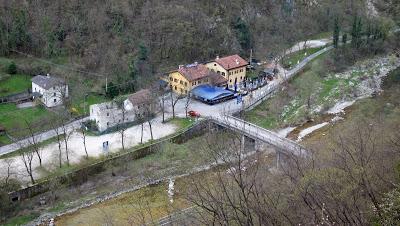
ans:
(194, 114)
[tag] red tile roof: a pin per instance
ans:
(194, 71)
(231, 62)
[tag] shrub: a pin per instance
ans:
(12, 68)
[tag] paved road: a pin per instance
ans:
(39, 137)
(228, 107)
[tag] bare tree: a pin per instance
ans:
(121, 118)
(149, 112)
(66, 134)
(9, 162)
(27, 158)
(187, 103)
(34, 140)
(83, 134)
(174, 101)
(162, 107)
(58, 132)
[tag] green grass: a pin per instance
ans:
(13, 119)
(79, 105)
(4, 140)
(14, 84)
(182, 123)
(281, 110)
(291, 60)
(21, 220)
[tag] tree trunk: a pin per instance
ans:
(66, 148)
(40, 158)
(59, 149)
(84, 145)
(141, 137)
(163, 109)
(151, 130)
(122, 140)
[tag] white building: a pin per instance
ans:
(51, 91)
(109, 114)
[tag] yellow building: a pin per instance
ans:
(189, 76)
(232, 68)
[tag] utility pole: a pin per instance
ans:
(251, 55)
(106, 84)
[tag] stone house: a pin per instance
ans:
(110, 114)
(51, 91)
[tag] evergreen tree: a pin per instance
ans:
(344, 39)
(243, 33)
(112, 90)
(12, 68)
(336, 33)
(356, 32)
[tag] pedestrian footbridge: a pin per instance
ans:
(283, 145)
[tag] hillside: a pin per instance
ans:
(139, 39)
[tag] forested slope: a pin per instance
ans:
(128, 38)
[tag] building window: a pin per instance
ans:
(54, 94)
(230, 73)
(55, 100)
(185, 91)
(230, 80)
(108, 123)
(218, 72)
(185, 83)
(175, 80)
(215, 65)
(108, 114)
(181, 90)
(223, 74)
(176, 88)
(181, 82)
(171, 79)
(241, 77)
(199, 82)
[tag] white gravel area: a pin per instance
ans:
(309, 130)
(93, 144)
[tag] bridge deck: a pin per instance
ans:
(285, 145)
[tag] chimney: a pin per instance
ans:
(217, 58)
(196, 63)
(48, 75)
(180, 66)
(237, 61)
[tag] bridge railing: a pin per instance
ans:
(261, 134)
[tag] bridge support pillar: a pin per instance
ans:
(242, 144)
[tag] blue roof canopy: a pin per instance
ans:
(211, 93)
